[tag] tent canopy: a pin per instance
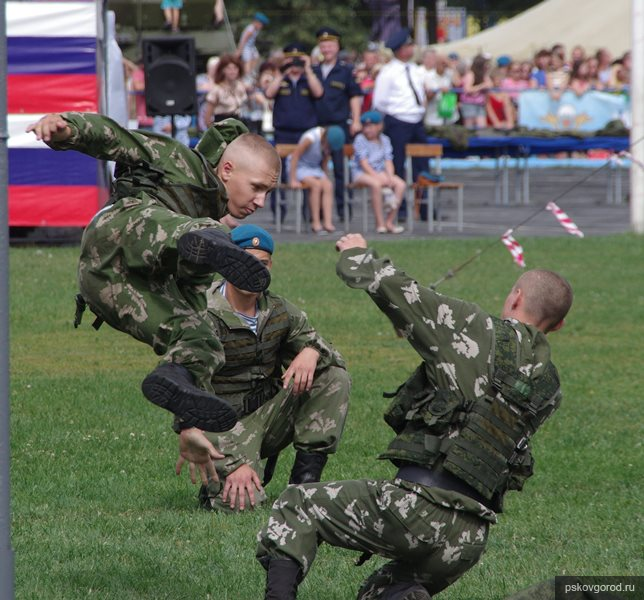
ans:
(592, 24)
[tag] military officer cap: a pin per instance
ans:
(400, 38)
(252, 236)
(262, 18)
(324, 34)
(371, 116)
(294, 49)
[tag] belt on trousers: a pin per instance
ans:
(442, 479)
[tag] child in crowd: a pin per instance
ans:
(374, 167)
(307, 168)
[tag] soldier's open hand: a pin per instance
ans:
(196, 449)
(351, 240)
(243, 480)
(51, 128)
(301, 371)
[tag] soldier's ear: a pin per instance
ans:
(557, 327)
(224, 170)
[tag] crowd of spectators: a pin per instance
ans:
(279, 95)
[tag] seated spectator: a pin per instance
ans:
(370, 66)
(163, 125)
(540, 71)
(502, 65)
(557, 76)
(604, 65)
(136, 86)
(499, 107)
(577, 54)
(307, 168)
(593, 73)
(205, 82)
(374, 167)
(476, 83)
(514, 83)
(457, 67)
(438, 81)
(579, 81)
(620, 75)
(227, 96)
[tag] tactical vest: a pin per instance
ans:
(485, 441)
(252, 361)
(185, 199)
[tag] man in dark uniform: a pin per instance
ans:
(341, 102)
(294, 92)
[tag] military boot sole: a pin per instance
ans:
(195, 407)
(213, 247)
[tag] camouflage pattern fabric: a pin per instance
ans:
(431, 535)
(312, 421)
(129, 270)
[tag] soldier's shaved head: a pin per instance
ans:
(547, 297)
(250, 149)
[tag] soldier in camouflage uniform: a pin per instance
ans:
(463, 422)
(286, 384)
(148, 257)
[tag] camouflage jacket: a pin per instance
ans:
(455, 339)
(181, 179)
(254, 362)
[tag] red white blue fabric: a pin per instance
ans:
(53, 65)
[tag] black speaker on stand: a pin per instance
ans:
(169, 67)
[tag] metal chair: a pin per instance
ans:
(358, 189)
(432, 152)
(285, 150)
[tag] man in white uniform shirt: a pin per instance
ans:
(399, 94)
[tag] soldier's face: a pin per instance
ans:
(247, 185)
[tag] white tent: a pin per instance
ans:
(593, 24)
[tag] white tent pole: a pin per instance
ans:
(637, 118)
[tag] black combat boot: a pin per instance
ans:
(171, 386)
(307, 467)
(214, 248)
(406, 591)
(282, 578)
(269, 468)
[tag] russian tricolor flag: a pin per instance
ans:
(53, 66)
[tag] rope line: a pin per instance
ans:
(452, 272)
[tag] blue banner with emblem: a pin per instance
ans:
(588, 112)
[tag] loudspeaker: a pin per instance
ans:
(169, 67)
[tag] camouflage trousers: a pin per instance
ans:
(424, 531)
(132, 277)
(312, 422)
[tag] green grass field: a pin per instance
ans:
(99, 513)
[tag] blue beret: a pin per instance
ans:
(252, 236)
(371, 116)
(399, 39)
(262, 18)
(327, 33)
(335, 137)
(503, 61)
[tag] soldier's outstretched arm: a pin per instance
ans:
(98, 136)
(51, 128)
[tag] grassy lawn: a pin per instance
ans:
(98, 511)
